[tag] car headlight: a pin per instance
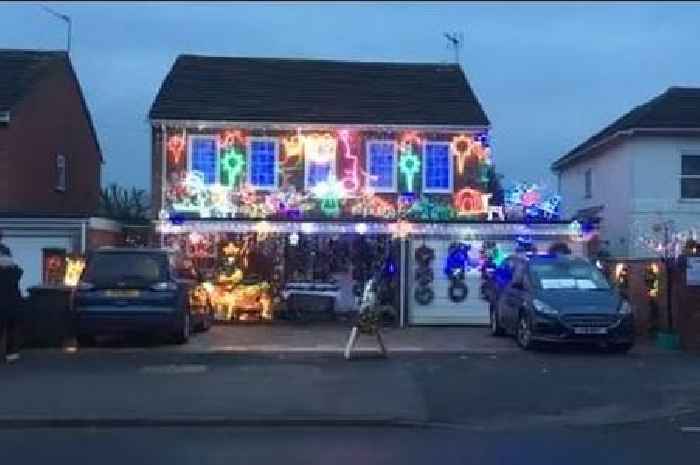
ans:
(625, 308)
(542, 307)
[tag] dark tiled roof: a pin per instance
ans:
(316, 91)
(20, 70)
(676, 108)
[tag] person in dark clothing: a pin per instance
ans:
(10, 302)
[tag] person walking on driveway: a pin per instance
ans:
(10, 303)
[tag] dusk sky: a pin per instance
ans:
(547, 74)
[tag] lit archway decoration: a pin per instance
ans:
(176, 147)
(232, 162)
(471, 202)
(409, 165)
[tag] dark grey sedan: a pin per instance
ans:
(558, 298)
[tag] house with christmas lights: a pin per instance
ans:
(640, 171)
(50, 164)
(287, 183)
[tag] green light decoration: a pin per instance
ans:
(330, 193)
(497, 256)
(232, 163)
(409, 165)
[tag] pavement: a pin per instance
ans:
(331, 337)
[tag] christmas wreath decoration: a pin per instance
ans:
(424, 295)
(458, 290)
(424, 255)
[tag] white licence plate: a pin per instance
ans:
(590, 330)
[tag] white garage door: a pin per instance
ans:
(27, 253)
(472, 310)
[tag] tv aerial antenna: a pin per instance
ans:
(455, 41)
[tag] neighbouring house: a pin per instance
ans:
(50, 163)
(294, 180)
(641, 170)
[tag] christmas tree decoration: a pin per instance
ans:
(409, 166)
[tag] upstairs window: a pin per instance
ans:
(690, 177)
(437, 167)
(61, 173)
(381, 165)
(588, 184)
(319, 159)
(204, 157)
(262, 166)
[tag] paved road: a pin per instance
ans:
(654, 443)
(515, 391)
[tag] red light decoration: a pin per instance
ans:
(231, 137)
(350, 180)
(176, 147)
(530, 198)
(471, 201)
(408, 139)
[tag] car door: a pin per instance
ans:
(514, 294)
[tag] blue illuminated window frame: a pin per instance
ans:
(450, 169)
(190, 153)
(250, 163)
(370, 161)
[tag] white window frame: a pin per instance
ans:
(307, 164)
(424, 168)
(190, 139)
(682, 176)
(61, 173)
(394, 176)
(588, 183)
(249, 163)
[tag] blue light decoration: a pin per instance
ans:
(457, 260)
(177, 218)
(389, 267)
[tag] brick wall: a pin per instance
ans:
(50, 120)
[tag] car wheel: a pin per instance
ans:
(183, 335)
(496, 329)
(524, 332)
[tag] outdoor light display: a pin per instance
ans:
(74, 268)
(201, 187)
(530, 202)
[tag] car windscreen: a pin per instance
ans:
(132, 269)
(573, 274)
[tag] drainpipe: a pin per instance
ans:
(402, 284)
(163, 176)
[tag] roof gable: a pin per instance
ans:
(316, 91)
(21, 70)
(676, 108)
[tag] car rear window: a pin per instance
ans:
(129, 268)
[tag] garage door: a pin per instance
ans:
(27, 253)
